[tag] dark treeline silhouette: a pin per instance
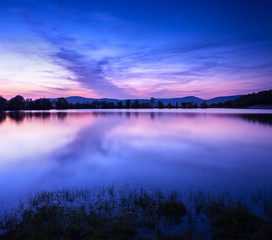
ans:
(19, 103)
(254, 99)
(129, 104)
(16, 103)
(3, 104)
(39, 104)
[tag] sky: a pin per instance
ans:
(135, 49)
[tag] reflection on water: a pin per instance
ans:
(258, 118)
(47, 150)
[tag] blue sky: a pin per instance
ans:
(135, 49)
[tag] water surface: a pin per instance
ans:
(209, 149)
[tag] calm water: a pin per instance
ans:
(212, 149)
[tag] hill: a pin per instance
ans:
(222, 99)
(165, 101)
(261, 99)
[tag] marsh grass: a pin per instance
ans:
(138, 213)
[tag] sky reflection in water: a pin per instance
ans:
(178, 149)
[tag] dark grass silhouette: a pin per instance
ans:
(130, 213)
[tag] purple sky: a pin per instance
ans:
(135, 49)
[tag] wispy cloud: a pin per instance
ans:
(86, 71)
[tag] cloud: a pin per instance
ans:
(56, 88)
(86, 71)
(83, 68)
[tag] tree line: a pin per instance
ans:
(253, 99)
(19, 103)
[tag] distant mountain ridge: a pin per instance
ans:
(223, 99)
(165, 101)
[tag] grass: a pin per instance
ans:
(131, 213)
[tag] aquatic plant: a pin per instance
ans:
(138, 213)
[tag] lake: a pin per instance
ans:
(213, 149)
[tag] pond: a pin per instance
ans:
(213, 149)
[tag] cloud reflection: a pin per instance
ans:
(176, 149)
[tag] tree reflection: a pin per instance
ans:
(17, 116)
(62, 115)
(3, 117)
(265, 119)
(43, 115)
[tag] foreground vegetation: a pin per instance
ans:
(260, 99)
(130, 213)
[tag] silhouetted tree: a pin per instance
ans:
(17, 103)
(204, 105)
(190, 104)
(146, 105)
(169, 105)
(135, 104)
(61, 103)
(43, 104)
(160, 104)
(120, 104)
(107, 105)
(111, 105)
(183, 104)
(103, 104)
(39, 104)
(177, 105)
(127, 103)
(3, 104)
(152, 100)
(95, 104)
(29, 104)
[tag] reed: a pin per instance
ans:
(138, 213)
